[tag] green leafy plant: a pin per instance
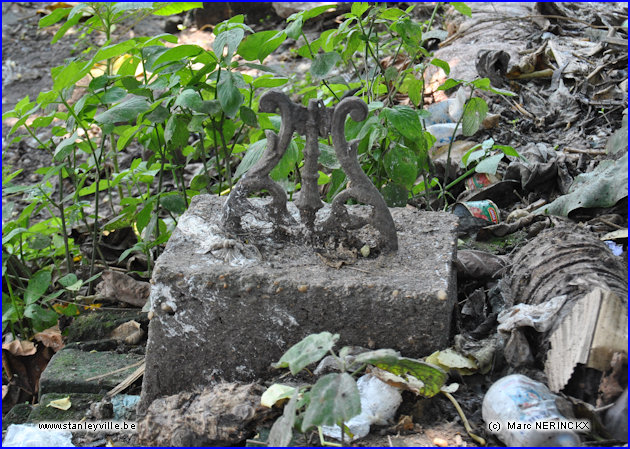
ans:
(334, 398)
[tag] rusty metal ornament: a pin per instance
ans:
(313, 121)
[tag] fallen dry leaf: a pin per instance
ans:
(129, 332)
(61, 404)
(124, 288)
(20, 348)
(51, 338)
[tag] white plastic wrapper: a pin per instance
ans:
(379, 402)
(28, 435)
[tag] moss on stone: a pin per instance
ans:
(80, 406)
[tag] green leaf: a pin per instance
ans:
(391, 73)
(294, 30)
(489, 164)
(309, 350)
(173, 203)
(405, 120)
(507, 150)
(42, 318)
(103, 184)
(269, 80)
(176, 131)
(181, 52)
(281, 432)
(415, 91)
(276, 393)
(113, 51)
(260, 45)
(37, 286)
(474, 113)
(126, 136)
(432, 376)
(395, 195)
(254, 152)
(113, 95)
(334, 400)
(126, 111)
(248, 116)
(200, 182)
(230, 38)
(54, 17)
(462, 8)
(65, 147)
(314, 12)
(287, 163)
(229, 95)
(72, 21)
(379, 356)
(176, 8)
(17, 231)
(68, 279)
(358, 8)
(441, 64)
(401, 166)
(323, 63)
(391, 14)
(482, 83)
(449, 84)
(39, 242)
(328, 156)
(69, 74)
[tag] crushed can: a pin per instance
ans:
(480, 180)
(484, 209)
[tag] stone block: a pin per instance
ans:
(69, 370)
(226, 307)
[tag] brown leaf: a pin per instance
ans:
(20, 348)
(51, 338)
(124, 288)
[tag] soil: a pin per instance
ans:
(28, 57)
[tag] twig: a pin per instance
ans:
(114, 372)
(591, 152)
(358, 269)
(127, 382)
(478, 439)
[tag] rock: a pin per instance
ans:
(219, 416)
(17, 415)
(100, 324)
(285, 9)
(70, 371)
(231, 320)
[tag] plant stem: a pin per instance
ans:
(308, 45)
(95, 234)
(478, 439)
(430, 23)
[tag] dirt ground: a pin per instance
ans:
(580, 123)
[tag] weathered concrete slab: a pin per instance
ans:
(226, 308)
(69, 369)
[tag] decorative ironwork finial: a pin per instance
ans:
(313, 121)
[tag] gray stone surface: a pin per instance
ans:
(68, 370)
(226, 307)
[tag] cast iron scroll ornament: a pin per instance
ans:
(314, 121)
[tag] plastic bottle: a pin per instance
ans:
(519, 399)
